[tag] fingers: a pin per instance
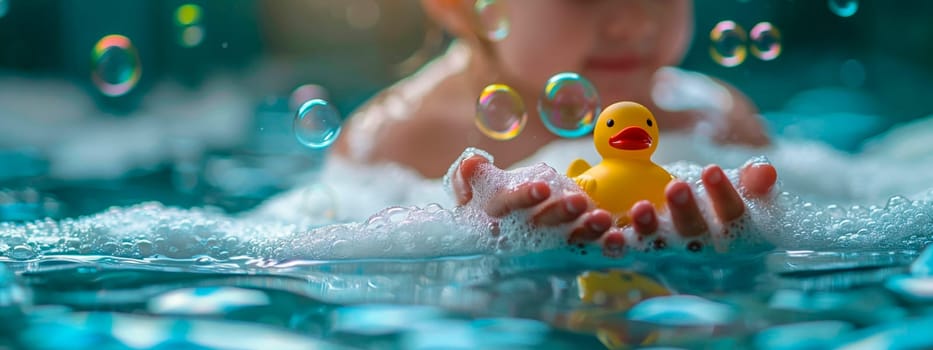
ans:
(686, 215)
(562, 210)
(644, 218)
(591, 226)
(725, 199)
(524, 196)
(758, 178)
(463, 178)
(613, 243)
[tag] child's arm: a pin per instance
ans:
(418, 142)
(743, 125)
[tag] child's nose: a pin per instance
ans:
(628, 19)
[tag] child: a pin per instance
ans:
(426, 120)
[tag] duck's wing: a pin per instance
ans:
(577, 167)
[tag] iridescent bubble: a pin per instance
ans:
(500, 113)
(115, 65)
(766, 41)
(843, 8)
(317, 124)
(492, 16)
(569, 105)
(727, 44)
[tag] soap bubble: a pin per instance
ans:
(115, 65)
(766, 41)
(728, 44)
(316, 124)
(493, 18)
(843, 8)
(500, 112)
(569, 105)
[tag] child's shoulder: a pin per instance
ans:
(411, 122)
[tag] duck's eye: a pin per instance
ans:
(610, 123)
(649, 122)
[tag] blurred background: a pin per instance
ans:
(114, 102)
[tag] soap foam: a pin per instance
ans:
(825, 200)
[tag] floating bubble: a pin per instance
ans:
(766, 41)
(4, 7)
(843, 8)
(727, 44)
(188, 14)
(500, 113)
(569, 105)
(492, 17)
(316, 124)
(115, 65)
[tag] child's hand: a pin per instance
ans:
(546, 209)
(757, 180)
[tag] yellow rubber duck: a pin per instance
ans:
(626, 135)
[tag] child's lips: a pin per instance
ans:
(615, 63)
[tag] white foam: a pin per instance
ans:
(825, 200)
(79, 144)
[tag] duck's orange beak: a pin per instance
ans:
(631, 138)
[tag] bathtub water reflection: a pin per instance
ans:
(773, 301)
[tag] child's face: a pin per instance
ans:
(617, 44)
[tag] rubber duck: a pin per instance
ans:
(625, 136)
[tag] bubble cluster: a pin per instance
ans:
(727, 44)
(317, 124)
(115, 65)
(500, 112)
(188, 22)
(493, 17)
(765, 41)
(843, 8)
(569, 105)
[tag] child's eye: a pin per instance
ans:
(610, 123)
(649, 122)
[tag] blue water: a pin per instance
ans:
(143, 281)
(772, 301)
